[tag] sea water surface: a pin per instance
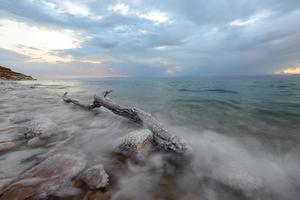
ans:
(244, 131)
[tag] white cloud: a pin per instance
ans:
(120, 8)
(161, 48)
(253, 19)
(71, 8)
(172, 70)
(39, 43)
(156, 16)
(14, 33)
(169, 67)
(120, 28)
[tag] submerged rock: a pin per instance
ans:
(45, 179)
(97, 195)
(7, 146)
(137, 144)
(234, 175)
(95, 177)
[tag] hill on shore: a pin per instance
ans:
(8, 74)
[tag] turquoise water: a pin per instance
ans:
(263, 106)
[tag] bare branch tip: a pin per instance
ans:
(106, 92)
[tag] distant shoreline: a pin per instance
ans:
(8, 74)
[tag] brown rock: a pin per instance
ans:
(97, 195)
(8, 74)
(45, 179)
(7, 146)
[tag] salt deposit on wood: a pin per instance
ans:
(162, 138)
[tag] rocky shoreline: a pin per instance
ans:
(63, 174)
(67, 149)
(8, 74)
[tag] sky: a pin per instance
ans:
(107, 38)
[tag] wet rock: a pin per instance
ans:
(97, 195)
(137, 144)
(45, 179)
(68, 192)
(14, 162)
(95, 177)
(7, 146)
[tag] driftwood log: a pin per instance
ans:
(161, 137)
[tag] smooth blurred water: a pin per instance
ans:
(244, 131)
(263, 106)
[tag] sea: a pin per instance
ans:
(244, 133)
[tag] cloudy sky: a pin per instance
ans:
(100, 38)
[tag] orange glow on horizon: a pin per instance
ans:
(292, 70)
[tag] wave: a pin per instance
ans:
(222, 91)
(209, 90)
(188, 90)
(209, 103)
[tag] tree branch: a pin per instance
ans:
(162, 138)
(75, 102)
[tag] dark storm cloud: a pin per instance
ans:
(195, 37)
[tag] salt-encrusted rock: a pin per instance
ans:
(36, 142)
(95, 177)
(38, 130)
(46, 178)
(137, 144)
(42, 127)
